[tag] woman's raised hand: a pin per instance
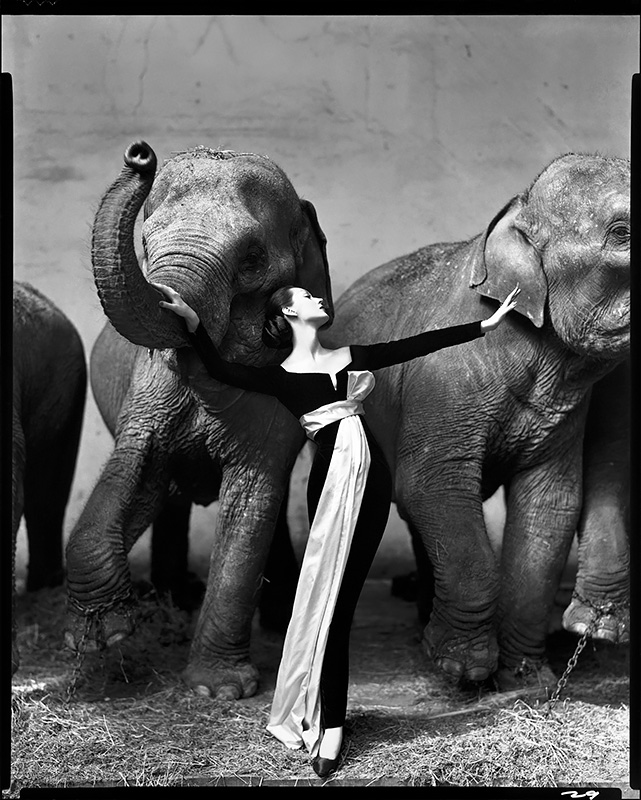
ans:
(499, 315)
(176, 304)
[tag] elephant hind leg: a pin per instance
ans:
(49, 473)
(47, 487)
(170, 573)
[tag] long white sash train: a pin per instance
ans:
(295, 714)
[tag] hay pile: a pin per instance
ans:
(131, 722)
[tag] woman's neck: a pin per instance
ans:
(305, 342)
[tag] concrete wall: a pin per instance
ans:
(403, 130)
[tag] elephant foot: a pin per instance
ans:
(470, 658)
(93, 630)
(530, 673)
(222, 681)
(608, 621)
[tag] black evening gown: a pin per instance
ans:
(348, 497)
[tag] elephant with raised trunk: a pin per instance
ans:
(49, 389)
(224, 229)
(510, 410)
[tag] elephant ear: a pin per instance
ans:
(313, 270)
(506, 257)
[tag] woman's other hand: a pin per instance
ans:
(499, 315)
(176, 304)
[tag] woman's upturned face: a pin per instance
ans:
(307, 307)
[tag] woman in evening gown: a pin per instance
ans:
(348, 495)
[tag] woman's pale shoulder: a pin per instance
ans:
(330, 361)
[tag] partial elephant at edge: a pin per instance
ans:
(49, 390)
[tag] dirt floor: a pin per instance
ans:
(130, 721)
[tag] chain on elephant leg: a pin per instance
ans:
(608, 620)
(79, 661)
(562, 682)
(102, 625)
(123, 607)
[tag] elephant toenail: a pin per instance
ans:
(204, 691)
(450, 667)
(115, 638)
(580, 628)
(607, 634)
(227, 693)
(477, 674)
(251, 688)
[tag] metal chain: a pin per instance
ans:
(562, 682)
(80, 660)
(602, 610)
(90, 614)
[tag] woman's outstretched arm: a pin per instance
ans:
(253, 379)
(385, 354)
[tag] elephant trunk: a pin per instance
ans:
(129, 300)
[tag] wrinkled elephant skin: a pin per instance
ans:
(601, 599)
(508, 409)
(49, 388)
(224, 229)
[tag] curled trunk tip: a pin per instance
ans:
(140, 157)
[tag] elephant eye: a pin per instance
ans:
(254, 258)
(619, 233)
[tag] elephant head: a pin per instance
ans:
(224, 229)
(566, 242)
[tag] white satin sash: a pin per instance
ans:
(295, 715)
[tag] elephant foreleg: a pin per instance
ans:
(128, 495)
(602, 591)
(444, 506)
(219, 662)
(543, 507)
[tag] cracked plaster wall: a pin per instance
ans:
(402, 131)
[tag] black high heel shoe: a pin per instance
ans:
(325, 766)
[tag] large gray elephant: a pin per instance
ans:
(225, 229)
(510, 410)
(49, 389)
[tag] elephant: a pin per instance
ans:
(49, 391)
(225, 229)
(510, 409)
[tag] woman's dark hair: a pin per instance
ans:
(277, 332)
